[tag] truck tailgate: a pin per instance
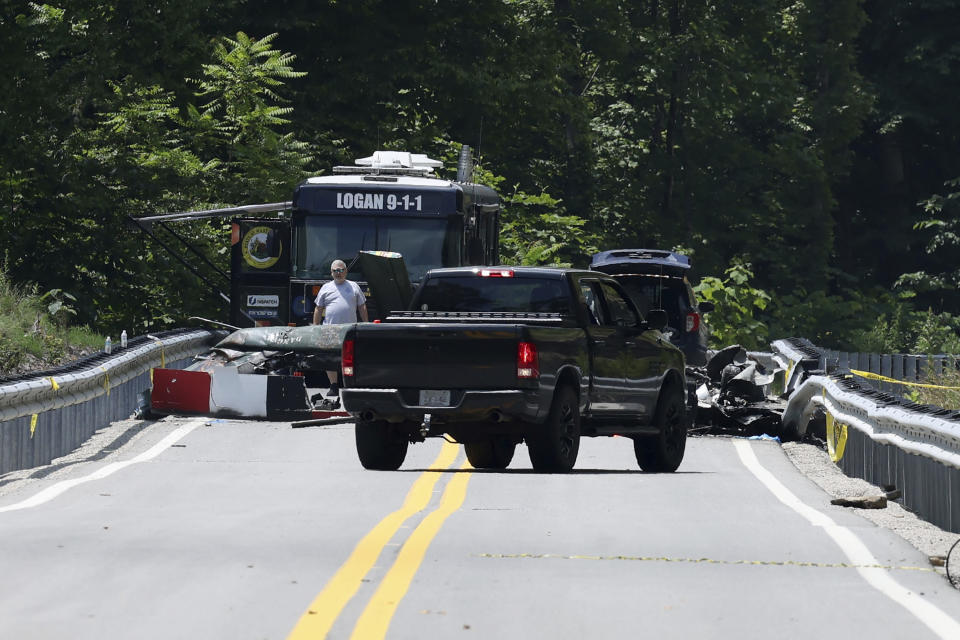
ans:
(436, 356)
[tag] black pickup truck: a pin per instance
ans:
(494, 356)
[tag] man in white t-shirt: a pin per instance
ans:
(339, 302)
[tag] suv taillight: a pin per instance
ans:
(528, 363)
(693, 321)
(346, 358)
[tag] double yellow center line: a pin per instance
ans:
(375, 619)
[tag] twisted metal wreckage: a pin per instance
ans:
(739, 393)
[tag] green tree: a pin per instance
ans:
(535, 229)
(942, 224)
(239, 124)
(737, 307)
(798, 135)
(907, 149)
(148, 150)
(715, 132)
(61, 223)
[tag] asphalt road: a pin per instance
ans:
(194, 528)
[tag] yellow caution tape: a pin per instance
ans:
(836, 438)
(33, 425)
(106, 379)
(53, 383)
(877, 376)
(163, 356)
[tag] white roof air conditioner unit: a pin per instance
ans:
(393, 162)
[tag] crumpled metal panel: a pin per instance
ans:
(311, 339)
(883, 421)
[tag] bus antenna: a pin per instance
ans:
(479, 142)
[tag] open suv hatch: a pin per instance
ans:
(657, 279)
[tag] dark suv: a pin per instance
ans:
(656, 279)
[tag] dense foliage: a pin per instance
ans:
(37, 331)
(803, 150)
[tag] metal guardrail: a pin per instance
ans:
(877, 436)
(873, 435)
(896, 366)
(43, 418)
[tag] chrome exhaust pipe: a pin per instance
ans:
(366, 415)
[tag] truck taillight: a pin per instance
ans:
(346, 357)
(693, 321)
(496, 273)
(528, 363)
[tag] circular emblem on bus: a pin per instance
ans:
(256, 247)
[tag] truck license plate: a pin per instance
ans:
(434, 397)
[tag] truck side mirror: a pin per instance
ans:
(657, 319)
(705, 306)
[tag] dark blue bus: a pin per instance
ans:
(390, 201)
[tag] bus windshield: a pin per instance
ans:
(424, 243)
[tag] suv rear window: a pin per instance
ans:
(669, 294)
(477, 293)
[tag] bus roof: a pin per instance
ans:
(374, 181)
(390, 195)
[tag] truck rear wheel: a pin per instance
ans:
(495, 453)
(555, 446)
(664, 451)
(379, 446)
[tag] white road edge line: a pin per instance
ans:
(928, 613)
(55, 490)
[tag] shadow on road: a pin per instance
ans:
(575, 472)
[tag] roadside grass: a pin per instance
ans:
(35, 330)
(947, 395)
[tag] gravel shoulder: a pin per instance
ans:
(816, 464)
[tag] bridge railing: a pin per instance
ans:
(886, 367)
(875, 434)
(50, 415)
(872, 433)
